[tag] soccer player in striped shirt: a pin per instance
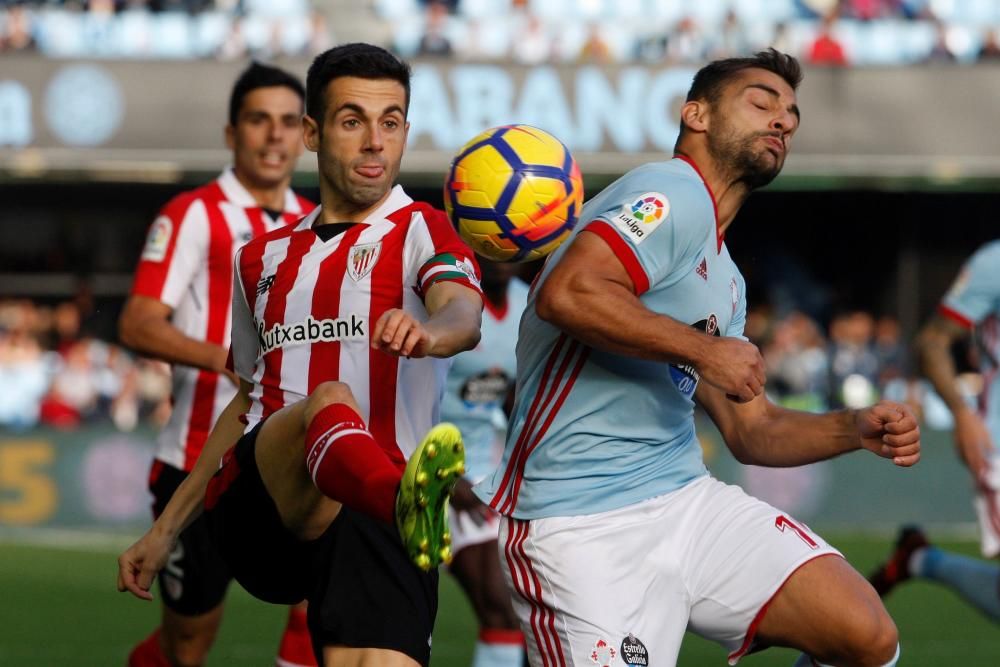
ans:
(341, 327)
(179, 312)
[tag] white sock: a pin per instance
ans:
(806, 661)
(916, 562)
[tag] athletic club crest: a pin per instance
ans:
(362, 259)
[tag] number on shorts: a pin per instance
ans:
(782, 521)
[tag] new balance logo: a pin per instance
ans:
(312, 331)
(702, 269)
(264, 284)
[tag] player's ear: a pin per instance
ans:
(310, 133)
(230, 137)
(694, 113)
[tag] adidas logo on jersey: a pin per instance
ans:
(311, 331)
(702, 269)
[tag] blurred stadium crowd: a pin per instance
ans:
(55, 373)
(822, 32)
(168, 29)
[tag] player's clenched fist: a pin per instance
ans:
(890, 430)
(734, 366)
(400, 334)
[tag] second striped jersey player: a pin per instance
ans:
(187, 264)
(179, 311)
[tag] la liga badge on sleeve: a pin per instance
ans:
(640, 217)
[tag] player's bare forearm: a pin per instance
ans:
(934, 349)
(762, 433)
(188, 501)
(145, 327)
(456, 314)
(139, 564)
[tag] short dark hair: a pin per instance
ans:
(364, 61)
(257, 76)
(710, 79)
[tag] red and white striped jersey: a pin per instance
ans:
(187, 263)
(304, 309)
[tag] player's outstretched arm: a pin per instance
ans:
(145, 327)
(762, 433)
(934, 343)
(139, 564)
(455, 314)
(590, 296)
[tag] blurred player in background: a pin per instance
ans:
(969, 312)
(179, 311)
(339, 326)
(478, 398)
(617, 539)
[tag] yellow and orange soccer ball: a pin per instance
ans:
(514, 193)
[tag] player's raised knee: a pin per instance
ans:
(328, 393)
(874, 639)
(883, 649)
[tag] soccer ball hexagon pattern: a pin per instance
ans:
(514, 193)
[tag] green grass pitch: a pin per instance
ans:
(60, 607)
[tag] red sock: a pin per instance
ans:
(347, 464)
(501, 636)
(296, 644)
(148, 653)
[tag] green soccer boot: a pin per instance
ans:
(422, 501)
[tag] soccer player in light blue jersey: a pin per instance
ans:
(969, 311)
(477, 399)
(615, 537)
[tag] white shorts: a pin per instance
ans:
(466, 533)
(628, 582)
(987, 504)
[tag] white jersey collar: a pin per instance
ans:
(396, 200)
(239, 195)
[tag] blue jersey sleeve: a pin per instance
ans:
(975, 294)
(656, 221)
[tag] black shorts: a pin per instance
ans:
(262, 555)
(363, 591)
(369, 594)
(195, 578)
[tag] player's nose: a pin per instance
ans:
(784, 122)
(275, 132)
(374, 142)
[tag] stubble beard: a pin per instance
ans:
(754, 167)
(364, 196)
(358, 195)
